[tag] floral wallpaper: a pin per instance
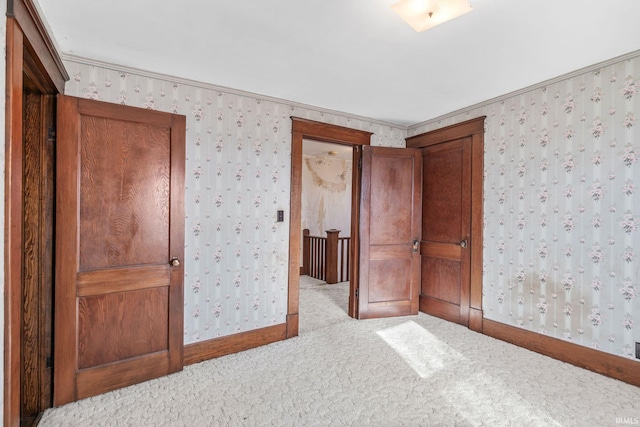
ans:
(562, 207)
(237, 176)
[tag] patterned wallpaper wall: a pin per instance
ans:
(562, 207)
(237, 176)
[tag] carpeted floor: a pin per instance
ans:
(406, 371)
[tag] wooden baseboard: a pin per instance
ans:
(292, 325)
(607, 364)
(205, 350)
(475, 319)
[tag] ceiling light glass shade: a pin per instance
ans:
(425, 14)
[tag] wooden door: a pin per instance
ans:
(119, 223)
(446, 230)
(389, 232)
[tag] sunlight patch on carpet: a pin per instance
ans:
(470, 396)
(422, 350)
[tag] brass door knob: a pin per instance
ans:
(175, 262)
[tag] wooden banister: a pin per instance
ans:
(305, 252)
(326, 258)
(331, 262)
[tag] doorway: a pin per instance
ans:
(322, 132)
(37, 252)
(327, 170)
(469, 293)
(35, 74)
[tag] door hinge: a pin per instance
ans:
(49, 361)
(51, 134)
(360, 163)
(357, 293)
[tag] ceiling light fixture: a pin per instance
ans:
(425, 14)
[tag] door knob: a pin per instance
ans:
(175, 262)
(416, 246)
(463, 244)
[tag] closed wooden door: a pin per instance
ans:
(389, 279)
(119, 223)
(446, 230)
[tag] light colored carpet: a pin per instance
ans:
(405, 371)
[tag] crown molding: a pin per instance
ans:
(179, 80)
(36, 32)
(588, 69)
(209, 86)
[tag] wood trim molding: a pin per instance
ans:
(293, 323)
(330, 133)
(456, 131)
(209, 349)
(607, 364)
(40, 45)
(354, 251)
(29, 50)
(13, 223)
(475, 319)
(475, 130)
(295, 234)
(477, 221)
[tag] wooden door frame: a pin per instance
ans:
(475, 130)
(30, 51)
(324, 132)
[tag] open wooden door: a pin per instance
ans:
(390, 221)
(119, 247)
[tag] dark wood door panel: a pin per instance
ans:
(391, 196)
(124, 209)
(389, 225)
(442, 190)
(441, 279)
(122, 325)
(446, 229)
(389, 280)
(120, 210)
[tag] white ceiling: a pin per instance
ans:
(323, 149)
(354, 56)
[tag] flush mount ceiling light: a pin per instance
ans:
(425, 14)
